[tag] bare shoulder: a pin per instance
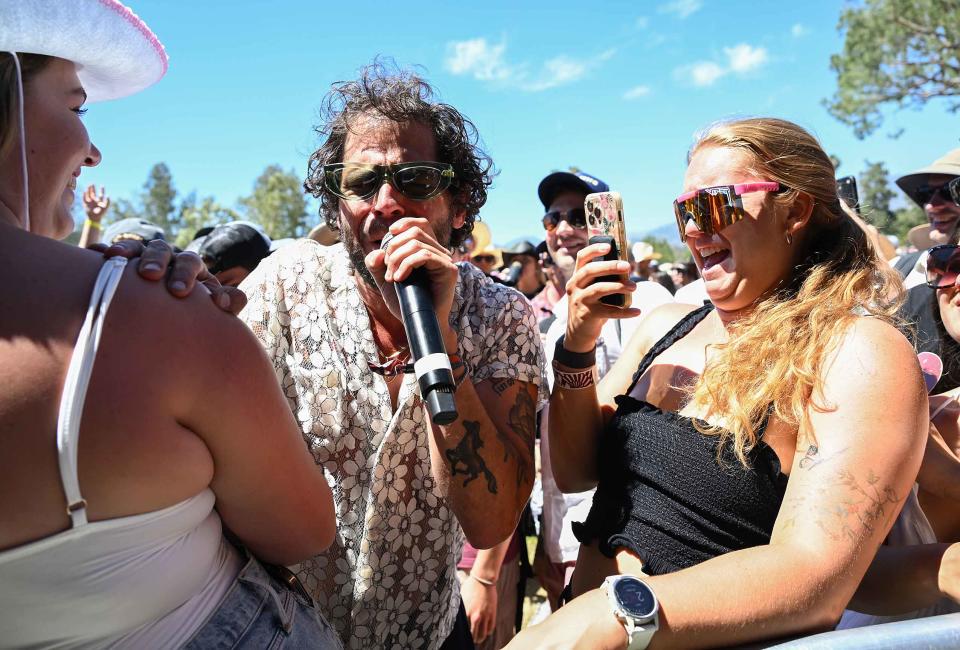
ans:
(183, 343)
(874, 351)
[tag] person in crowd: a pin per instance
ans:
(940, 493)
(553, 288)
(393, 161)
(563, 195)
(665, 280)
(95, 206)
(488, 260)
(133, 229)
(233, 250)
(112, 497)
(566, 233)
(743, 485)
(917, 570)
(927, 187)
(488, 585)
(644, 260)
(522, 269)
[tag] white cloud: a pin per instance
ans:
(799, 31)
(744, 58)
(741, 59)
(637, 92)
(705, 73)
(642, 22)
(557, 72)
(479, 59)
(682, 8)
(487, 62)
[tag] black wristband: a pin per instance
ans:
(574, 360)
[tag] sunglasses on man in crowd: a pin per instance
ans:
(928, 193)
(576, 217)
(418, 181)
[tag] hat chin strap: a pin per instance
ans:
(23, 144)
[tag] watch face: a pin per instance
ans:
(635, 597)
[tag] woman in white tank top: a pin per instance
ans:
(131, 423)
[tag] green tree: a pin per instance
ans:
(906, 218)
(875, 195)
(158, 200)
(899, 53)
(156, 203)
(661, 246)
(278, 203)
(194, 216)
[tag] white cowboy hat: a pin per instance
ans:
(116, 54)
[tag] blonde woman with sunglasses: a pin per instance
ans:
(751, 455)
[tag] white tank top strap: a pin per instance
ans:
(951, 398)
(75, 386)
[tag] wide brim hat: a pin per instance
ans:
(643, 251)
(578, 181)
(919, 237)
(517, 250)
(948, 165)
(114, 51)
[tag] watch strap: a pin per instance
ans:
(574, 360)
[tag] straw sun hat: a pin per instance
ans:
(116, 54)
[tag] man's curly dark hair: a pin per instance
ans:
(401, 96)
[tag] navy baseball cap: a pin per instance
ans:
(559, 181)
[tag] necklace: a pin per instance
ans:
(393, 365)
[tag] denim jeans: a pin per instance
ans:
(260, 612)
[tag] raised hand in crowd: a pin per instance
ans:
(95, 207)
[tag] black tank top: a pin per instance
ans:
(664, 495)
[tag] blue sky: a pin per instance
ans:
(615, 88)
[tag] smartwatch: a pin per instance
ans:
(635, 606)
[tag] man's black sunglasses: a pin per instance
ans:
(419, 181)
(576, 217)
(925, 193)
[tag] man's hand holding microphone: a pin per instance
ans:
(417, 278)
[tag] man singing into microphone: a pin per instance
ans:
(393, 161)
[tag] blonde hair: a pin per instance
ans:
(772, 363)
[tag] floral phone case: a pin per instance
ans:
(605, 224)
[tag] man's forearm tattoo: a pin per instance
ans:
(522, 419)
(501, 385)
(467, 455)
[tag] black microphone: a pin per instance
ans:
(431, 363)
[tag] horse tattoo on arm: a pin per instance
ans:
(467, 453)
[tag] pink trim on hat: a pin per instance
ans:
(742, 188)
(127, 14)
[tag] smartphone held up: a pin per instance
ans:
(605, 226)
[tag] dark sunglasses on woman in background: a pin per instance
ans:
(576, 217)
(417, 181)
(714, 208)
(954, 188)
(943, 266)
